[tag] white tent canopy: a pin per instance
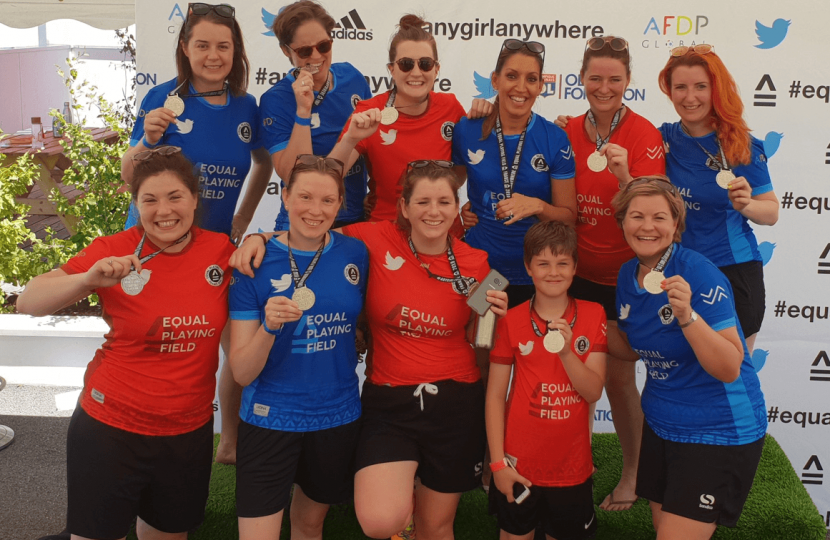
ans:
(103, 14)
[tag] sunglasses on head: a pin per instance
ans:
(421, 163)
(516, 44)
(160, 151)
(616, 43)
(660, 181)
(304, 52)
(311, 160)
(408, 64)
(223, 10)
(703, 48)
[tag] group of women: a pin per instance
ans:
(297, 297)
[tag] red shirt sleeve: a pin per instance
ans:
(502, 352)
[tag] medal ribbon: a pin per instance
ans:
(536, 327)
(721, 163)
(299, 282)
(391, 101)
(460, 283)
(321, 95)
(614, 122)
(146, 258)
(663, 260)
(508, 176)
(198, 94)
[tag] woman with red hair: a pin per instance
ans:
(721, 171)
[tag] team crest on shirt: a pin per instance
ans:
(214, 275)
(355, 100)
(244, 132)
(666, 314)
(539, 163)
(315, 120)
(447, 129)
(352, 274)
(581, 345)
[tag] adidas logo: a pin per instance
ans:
(351, 27)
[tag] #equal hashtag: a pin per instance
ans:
(787, 200)
(772, 415)
(780, 308)
(795, 89)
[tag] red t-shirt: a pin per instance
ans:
(156, 372)
(600, 243)
(546, 420)
(391, 148)
(417, 323)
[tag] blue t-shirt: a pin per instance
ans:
(309, 381)
(217, 139)
(546, 156)
(713, 227)
(681, 401)
(278, 106)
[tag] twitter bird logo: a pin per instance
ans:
(759, 358)
(475, 157)
(771, 36)
(393, 263)
(624, 311)
(282, 283)
(484, 86)
(766, 249)
(184, 126)
(771, 143)
(315, 120)
(526, 348)
(268, 21)
(388, 138)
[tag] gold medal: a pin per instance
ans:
(175, 104)
(388, 116)
(652, 282)
(724, 178)
(554, 341)
(132, 283)
(304, 298)
(597, 162)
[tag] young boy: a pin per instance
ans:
(542, 440)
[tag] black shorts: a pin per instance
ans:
(518, 294)
(604, 295)
(747, 281)
(115, 475)
(269, 462)
(703, 482)
(565, 513)
(446, 438)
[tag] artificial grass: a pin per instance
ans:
(778, 506)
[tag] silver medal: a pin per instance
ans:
(304, 298)
(597, 162)
(175, 104)
(132, 283)
(724, 178)
(554, 341)
(652, 282)
(388, 116)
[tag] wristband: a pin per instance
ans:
(264, 238)
(496, 466)
(302, 121)
(146, 143)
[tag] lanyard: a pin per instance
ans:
(199, 94)
(536, 329)
(146, 258)
(460, 284)
(391, 101)
(508, 176)
(721, 163)
(299, 282)
(614, 121)
(663, 260)
(321, 95)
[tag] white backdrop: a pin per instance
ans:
(784, 84)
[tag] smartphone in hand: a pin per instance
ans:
(493, 282)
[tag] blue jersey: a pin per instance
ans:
(309, 381)
(681, 401)
(546, 156)
(713, 227)
(278, 106)
(217, 139)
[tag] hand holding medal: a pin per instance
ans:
(156, 122)
(363, 124)
(559, 336)
(109, 271)
(617, 157)
(740, 193)
(280, 310)
(303, 88)
(680, 297)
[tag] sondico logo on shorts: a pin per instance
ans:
(244, 132)
(446, 130)
(214, 275)
(706, 501)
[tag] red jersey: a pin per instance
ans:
(545, 419)
(156, 372)
(417, 323)
(600, 243)
(391, 148)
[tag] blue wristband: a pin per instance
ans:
(302, 121)
(146, 143)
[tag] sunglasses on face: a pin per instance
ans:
(311, 160)
(304, 52)
(223, 10)
(616, 43)
(160, 151)
(703, 48)
(533, 46)
(408, 64)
